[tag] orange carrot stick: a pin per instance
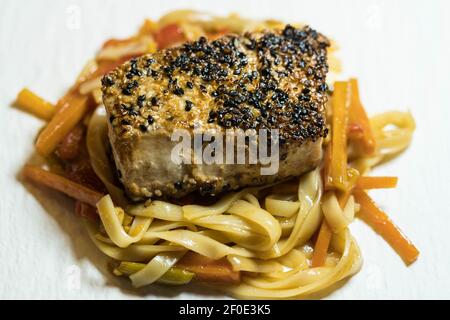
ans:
(367, 183)
(72, 109)
(64, 185)
(323, 240)
(343, 197)
(117, 42)
(337, 166)
(321, 246)
(209, 270)
(381, 223)
(359, 129)
(32, 103)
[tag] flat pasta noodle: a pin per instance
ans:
(155, 268)
(277, 206)
(96, 137)
(196, 211)
(333, 213)
(136, 253)
(114, 228)
(159, 210)
(200, 243)
(307, 284)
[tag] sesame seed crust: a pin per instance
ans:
(267, 80)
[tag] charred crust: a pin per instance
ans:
(268, 80)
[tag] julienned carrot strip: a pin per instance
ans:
(209, 270)
(381, 223)
(343, 196)
(359, 129)
(32, 103)
(62, 184)
(72, 109)
(337, 165)
(367, 183)
(324, 237)
(322, 244)
(326, 174)
(118, 42)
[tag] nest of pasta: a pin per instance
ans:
(288, 240)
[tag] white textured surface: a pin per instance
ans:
(400, 52)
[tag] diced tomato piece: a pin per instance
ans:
(168, 36)
(70, 146)
(85, 210)
(80, 170)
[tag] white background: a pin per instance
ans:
(400, 52)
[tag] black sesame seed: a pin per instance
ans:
(143, 127)
(178, 91)
(323, 87)
(132, 112)
(126, 91)
(150, 120)
(206, 189)
(107, 81)
(188, 105)
(271, 120)
(296, 111)
(140, 100)
(251, 44)
(304, 97)
(178, 185)
(152, 73)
